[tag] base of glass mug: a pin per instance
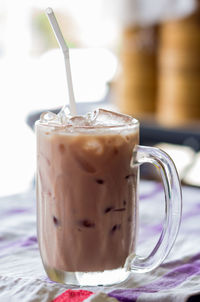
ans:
(105, 278)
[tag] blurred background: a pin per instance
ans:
(138, 57)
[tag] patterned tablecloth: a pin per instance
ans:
(23, 279)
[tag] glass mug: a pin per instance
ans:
(87, 202)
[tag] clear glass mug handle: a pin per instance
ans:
(173, 206)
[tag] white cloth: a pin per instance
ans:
(99, 297)
(22, 277)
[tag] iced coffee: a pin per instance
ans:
(86, 191)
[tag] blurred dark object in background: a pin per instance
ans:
(160, 64)
(137, 82)
(179, 71)
(153, 133)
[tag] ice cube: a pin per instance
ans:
(48, 117)
(78, 120)
(109, 118)
(84, 162)
(94, 146)
(64, 115)
(91, 117)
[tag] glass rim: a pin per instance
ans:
(134, 123)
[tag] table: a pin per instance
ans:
(23, 279)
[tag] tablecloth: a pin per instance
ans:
(22, 277)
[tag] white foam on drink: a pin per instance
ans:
(98, 118)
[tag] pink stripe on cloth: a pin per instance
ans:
(73, 296)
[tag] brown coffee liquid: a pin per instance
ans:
(86, 194)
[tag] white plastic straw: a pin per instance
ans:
(65, 50)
